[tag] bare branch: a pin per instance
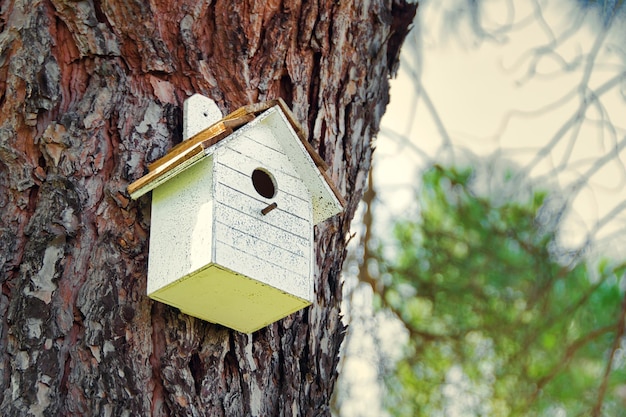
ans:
(576, 118)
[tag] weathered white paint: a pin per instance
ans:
(181, 225)
(273, 225)
(286, 221)
(213, 253)
(241, 180)
(199, 112)
(269, 252)
(252, 236)
(325, 203)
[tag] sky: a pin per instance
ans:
(486, 102)
(540, 91)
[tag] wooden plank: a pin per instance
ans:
(259, 144)
(216, 130)
(207, 137)
(159, 171)
(243, 152)
(253, 243)
(295, 241)
(257, 108)
(187, 149)
(299, 206)
(296, 193)
(279, 218)
(298, 284)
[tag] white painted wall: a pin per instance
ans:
(276, 248)
(181, 228)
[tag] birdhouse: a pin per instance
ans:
(233, 210)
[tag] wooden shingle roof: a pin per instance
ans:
(193, 148)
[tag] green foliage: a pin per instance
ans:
(495, 323)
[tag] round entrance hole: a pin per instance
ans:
(263, 183)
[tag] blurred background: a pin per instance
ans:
(487, 273)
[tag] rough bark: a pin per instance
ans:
(91, 92)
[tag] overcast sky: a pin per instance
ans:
(475, 83)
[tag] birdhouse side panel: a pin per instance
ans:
(275, 250)
(276, 247)
(181, 225)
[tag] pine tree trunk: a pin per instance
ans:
(91, 92)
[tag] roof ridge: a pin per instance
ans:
(213, 134)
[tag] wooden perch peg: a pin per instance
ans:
(269, 208)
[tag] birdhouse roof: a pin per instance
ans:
(198, 146)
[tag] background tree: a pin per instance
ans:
(555, 111)
(496, 325)
(91, 92)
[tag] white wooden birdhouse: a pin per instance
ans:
(233, 210)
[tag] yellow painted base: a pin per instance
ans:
(221, 296)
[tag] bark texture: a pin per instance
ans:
(90, 93)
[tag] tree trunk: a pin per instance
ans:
(91, 93)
